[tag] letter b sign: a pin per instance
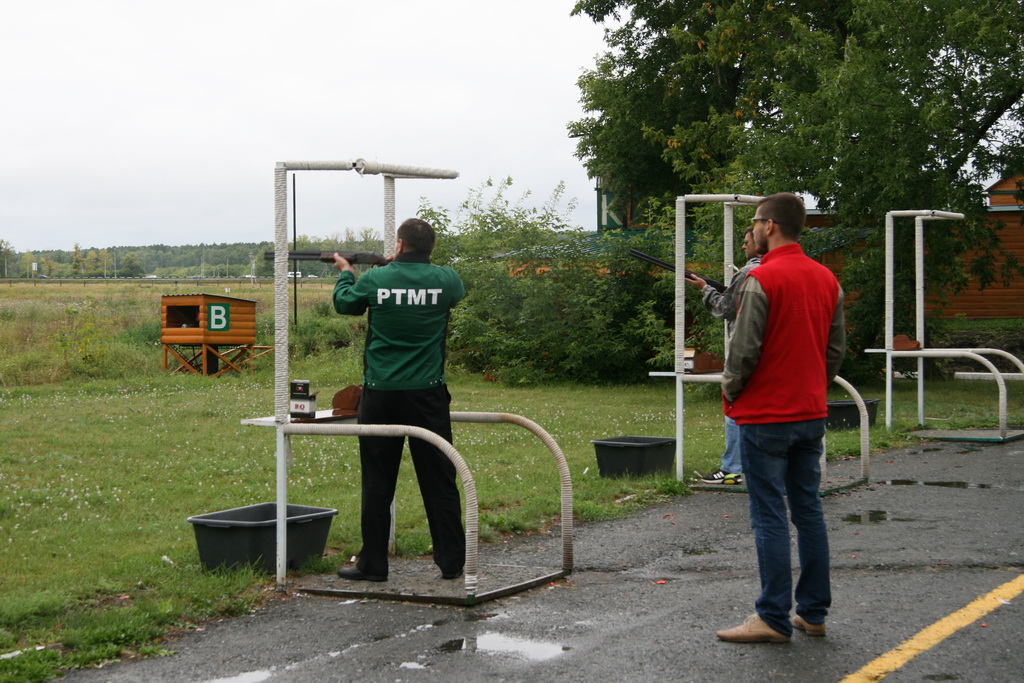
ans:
(218, 317)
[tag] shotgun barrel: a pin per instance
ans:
(328, 256)
(636, 253)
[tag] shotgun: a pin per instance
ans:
(718, 286)
(328, 256)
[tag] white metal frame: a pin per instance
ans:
(282, 419)
(281, 406)
(920, 216)
(729, 202)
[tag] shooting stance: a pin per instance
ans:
(723, 305)
(408, 302)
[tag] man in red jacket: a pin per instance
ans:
(788, 342)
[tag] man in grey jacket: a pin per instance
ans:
(723, 305)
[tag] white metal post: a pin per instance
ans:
(281, 362)
(889, 265)
(919, 309)
(680, 325)
(389, 214)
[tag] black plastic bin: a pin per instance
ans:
(634, 455)
(248, 535)
(844, 414)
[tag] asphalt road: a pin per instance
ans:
(937, 526)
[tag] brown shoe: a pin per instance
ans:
(753, 630)
(810, 629)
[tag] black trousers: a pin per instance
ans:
(381, 456)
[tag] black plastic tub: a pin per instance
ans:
(844, 414)
(248, 535)
(624, 456)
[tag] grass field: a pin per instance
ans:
(103, 457)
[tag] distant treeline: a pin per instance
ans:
(204, 260)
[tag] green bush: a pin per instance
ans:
(548, 303)
(319, 331)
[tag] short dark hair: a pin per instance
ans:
(417, 235)
(786, 209)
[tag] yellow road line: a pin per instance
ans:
(936, 633)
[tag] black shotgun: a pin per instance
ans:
(636, 253)
(328, 256)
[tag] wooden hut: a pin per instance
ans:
(208, 334)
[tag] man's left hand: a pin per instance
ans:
(342, 264)
(696, 281)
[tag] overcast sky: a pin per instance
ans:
(137, 123)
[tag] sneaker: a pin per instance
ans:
(715, 477)
(753, 630)
(817, 630)
(721, 477)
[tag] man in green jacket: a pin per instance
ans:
(408, 303)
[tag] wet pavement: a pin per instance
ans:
(936, 526)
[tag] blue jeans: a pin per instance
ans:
(780, 461)
(731, 462)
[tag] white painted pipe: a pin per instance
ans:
(468, 485)
(364, 166)
(960, 353)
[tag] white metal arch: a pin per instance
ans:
(281, 411)
(920, 216)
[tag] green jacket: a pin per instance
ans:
(409, 301)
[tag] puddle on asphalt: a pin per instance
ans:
(495, 643)
(869, 517)
(247, 677)
(480, 616)
(945, 484)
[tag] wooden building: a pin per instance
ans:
(208, 334)
(997, 300)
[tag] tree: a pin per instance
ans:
(27, 259)
(131, 266)
(866, 105)
(7, 256)
(77, 260)
(545, 302)
(681, 81)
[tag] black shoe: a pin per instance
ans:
(448, 576)
(356, 574)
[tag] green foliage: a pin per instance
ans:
(131, 266)
(918, 122)
(33, 609)
(320, 330)
(80, 339)
(867, 106)
(546, 302)
(7, 260)
(33, 666)
(216, 260)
